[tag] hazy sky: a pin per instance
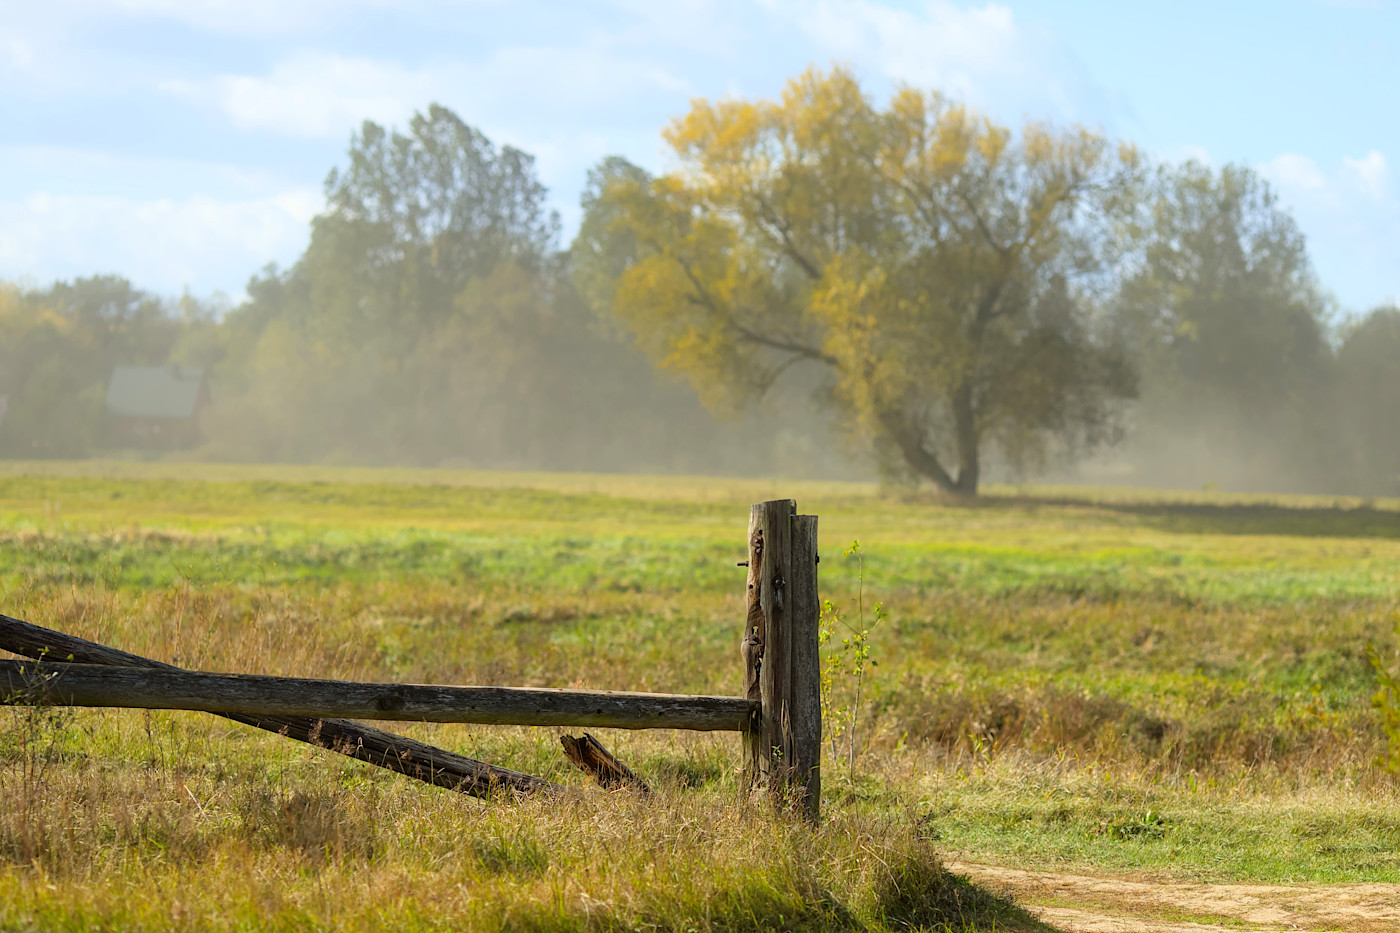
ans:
(183, 143)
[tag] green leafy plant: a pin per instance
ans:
(847, 662)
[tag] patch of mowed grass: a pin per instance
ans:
(1228, 827)
(1096, 682)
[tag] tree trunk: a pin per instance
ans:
(965, 424)
(910, 442)
(925, 464)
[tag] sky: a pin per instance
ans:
(183, 144)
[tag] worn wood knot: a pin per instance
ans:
(390, 700)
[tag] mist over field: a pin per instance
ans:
(1163, 327)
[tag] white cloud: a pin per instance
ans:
(946, 47)
(261, 18)
(982, 55)
(16, 53)
(90, 171)
(1352, 219)
(320, 95)
(597, 84)
(239, 17)
(1370, 173)
(313, 95)
(1291, 171)
(1187, 152)
(161, 244)
(593, 75)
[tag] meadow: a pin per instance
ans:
(1168, 684)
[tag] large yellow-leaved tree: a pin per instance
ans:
(946, 272)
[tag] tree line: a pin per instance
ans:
(821, 284)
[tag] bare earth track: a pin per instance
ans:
(1106, 904)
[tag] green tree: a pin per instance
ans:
(1231, 328)
(415, 216)
(944, 272)
(1369, 376)
(432, 320)
(57, 349)
(365, 347)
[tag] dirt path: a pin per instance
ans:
(1103, 904)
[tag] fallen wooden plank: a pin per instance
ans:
(257, 695)
(403, 755)
(590, 756)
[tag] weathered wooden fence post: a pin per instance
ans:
(782, 750)
(806, 665)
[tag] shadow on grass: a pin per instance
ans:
(1222, 519)
(915, 895)
(920, 894)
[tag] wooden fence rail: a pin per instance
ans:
(254, 695)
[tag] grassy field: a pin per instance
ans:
(1092, 679)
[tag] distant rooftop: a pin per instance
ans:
(154, 391)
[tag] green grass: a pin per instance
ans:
(1093, 679)
(1223, 831)
(626, 533)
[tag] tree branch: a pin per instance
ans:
(981, 224)
(987, 310)
(784, 237)
(799, 350)
(914, 194)
(789, 345)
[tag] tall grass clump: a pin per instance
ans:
(164, 848)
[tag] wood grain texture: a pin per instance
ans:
(776, 671)
(751, 650)
(255, 695)
(406, 756)
(591, 757)
(805, 676)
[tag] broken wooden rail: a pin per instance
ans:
(589, 756)
(409, 757)
(779, 713)
(257, 695)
